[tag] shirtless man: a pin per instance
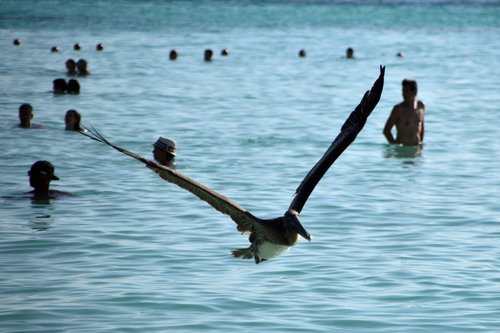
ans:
(408, 117)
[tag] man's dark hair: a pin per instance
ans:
(412, 84)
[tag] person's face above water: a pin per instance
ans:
(408, 93)
(39, 180)
(70, 64)
(25, 117)
(70, 120)
(162, 156)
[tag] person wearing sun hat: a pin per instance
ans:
(164, 151)
(41, 174)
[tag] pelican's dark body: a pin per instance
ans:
(270, 238)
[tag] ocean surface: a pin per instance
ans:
(403, 240)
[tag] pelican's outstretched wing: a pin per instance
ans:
(244, 220)
(348, 133)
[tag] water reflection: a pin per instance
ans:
(43, 219)
(409, 155)
(39, 217)
(41, 222)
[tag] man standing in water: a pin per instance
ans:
(41, 174)
(408, 117)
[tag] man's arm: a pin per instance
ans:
(422, 129)
(391, 121)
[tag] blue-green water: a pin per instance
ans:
(401, 243)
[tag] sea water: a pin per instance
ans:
(403, 240)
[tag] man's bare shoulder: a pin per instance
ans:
(397, 108)
(399, 105)
(420, 105)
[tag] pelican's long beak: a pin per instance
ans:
(291, 218)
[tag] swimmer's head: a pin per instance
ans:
(411, 84)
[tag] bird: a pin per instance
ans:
(269, 238)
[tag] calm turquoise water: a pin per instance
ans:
(401, 243)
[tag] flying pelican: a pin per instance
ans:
(269, 238)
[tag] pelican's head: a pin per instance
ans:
(291, 221)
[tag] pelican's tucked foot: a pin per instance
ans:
(243, 253)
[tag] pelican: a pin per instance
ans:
(269, 238)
